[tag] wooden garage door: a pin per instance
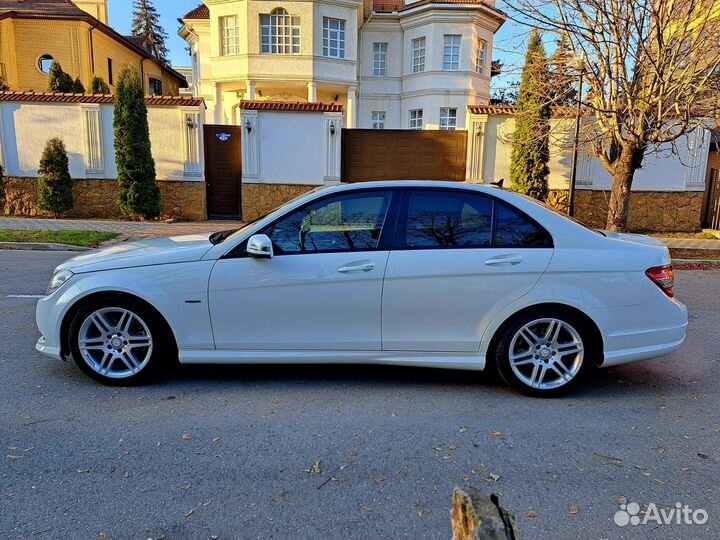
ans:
(401, 154)
(223, 170)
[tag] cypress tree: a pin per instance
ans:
(139, 195)
(563, 75)
(55, 186)
(146, 23)
(58, 80)
(99, 86)
(530, 153)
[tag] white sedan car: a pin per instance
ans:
(431, 274)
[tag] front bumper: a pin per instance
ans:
(43, 347)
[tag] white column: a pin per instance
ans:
(351, 106)
(476, 127)
(250, 85)
(312, 91)
(331, 137)
(250, 148)
(218, 115)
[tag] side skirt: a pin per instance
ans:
(470, 361)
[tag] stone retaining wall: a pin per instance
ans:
(667, 211)
(259, 199)
(98, 199)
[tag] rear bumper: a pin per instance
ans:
(642, 332)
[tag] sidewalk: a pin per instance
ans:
(691, 243)
(129, 230)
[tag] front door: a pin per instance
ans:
(322, 289)
(223, 170)
(458, 259)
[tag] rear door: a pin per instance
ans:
(458, 258)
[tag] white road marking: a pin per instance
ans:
(25, 295)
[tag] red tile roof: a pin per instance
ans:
(390, 6)
(492, 109)
(200, 12)
(35, 97)
(509, 110)
(296, 106)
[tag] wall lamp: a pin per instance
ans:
(189, 122)
(248, 125)
(332, 129)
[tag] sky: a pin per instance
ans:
(509, 43)
(170, 11)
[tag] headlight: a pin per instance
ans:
(58, 279)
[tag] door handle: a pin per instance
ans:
(365, 267)
(504, 260)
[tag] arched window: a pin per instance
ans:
(45, 63)
(279, 33)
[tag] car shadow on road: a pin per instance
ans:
(601, 384)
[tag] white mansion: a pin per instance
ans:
(394, 64)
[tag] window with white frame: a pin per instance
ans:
(380, 51)
(229, 35)
(92, 124)
(416, 119)
(451, 55)
(481, 56)
(418, 55)
(333, 38)
(448, 119)
(378, 119)
(279, 33)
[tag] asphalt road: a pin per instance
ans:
(348, 452)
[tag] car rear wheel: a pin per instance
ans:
(545, 353)
(119, 341)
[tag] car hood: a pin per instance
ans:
(636, 238)
(173, 249)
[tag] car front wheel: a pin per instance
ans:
(545, 354)
(118, 341)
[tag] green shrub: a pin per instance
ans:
(78, 87)
(58, 80)
(139, 195)
(55, 186)
(99, 86)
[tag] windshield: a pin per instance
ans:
(220, 236)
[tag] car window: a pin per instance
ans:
(514, 229)
(437, 219)
(347, 222)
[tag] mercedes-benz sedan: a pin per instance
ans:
(431, 274)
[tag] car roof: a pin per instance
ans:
(398, 184)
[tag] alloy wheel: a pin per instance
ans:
(115, 342)
(546, 354)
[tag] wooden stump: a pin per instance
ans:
(475, 516)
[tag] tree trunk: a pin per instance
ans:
(625, 167)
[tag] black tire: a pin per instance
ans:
(162, 354)
(518, 377)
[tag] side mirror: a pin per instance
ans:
(259, 245)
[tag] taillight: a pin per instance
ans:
(663, 277)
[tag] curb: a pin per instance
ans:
(41, 246)
(711, 262)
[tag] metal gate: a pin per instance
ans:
(711, 212)
(223, 170)
(402, 154)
